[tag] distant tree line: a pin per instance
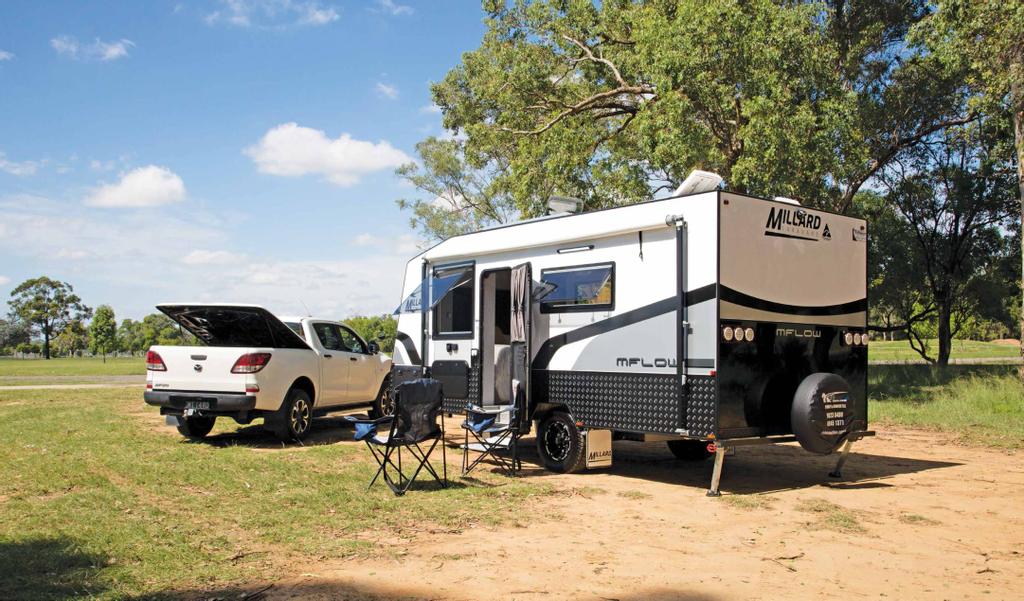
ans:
(47, 318)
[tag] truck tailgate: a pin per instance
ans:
(199, 368)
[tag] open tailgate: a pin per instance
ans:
(234, 326)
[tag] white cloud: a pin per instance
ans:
(391, 8)
(4, 280)
(366, 239)
(430, 109)
(272, 14)
(96, 50)
(386, 90)
(148, 186)
(291, 150)
(6, 56)
(211, 257)
(22, 168)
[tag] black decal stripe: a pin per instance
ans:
(410, 348)
(752, 302)
(778, 235)
(668, 305)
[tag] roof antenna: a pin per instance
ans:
(308, 314)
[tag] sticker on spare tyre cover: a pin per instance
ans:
(836, 404)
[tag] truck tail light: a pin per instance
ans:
(250, 363)
(154, 362)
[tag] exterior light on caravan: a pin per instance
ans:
(738, 333)
(856, 339)
(727, 333)
(749, 334)
(848, 338)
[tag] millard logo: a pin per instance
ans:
(797, 224)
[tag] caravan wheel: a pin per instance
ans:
(560, 443)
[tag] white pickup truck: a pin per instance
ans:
(253, 364)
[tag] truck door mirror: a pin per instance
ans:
(374, 348)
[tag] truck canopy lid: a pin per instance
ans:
(234, 325)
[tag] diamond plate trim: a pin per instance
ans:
(453, 405)
(625, 402)
(702, 405)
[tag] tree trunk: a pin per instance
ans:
(945, 334)
(46, 342)
(1017, 102)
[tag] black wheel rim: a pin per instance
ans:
(299, 416)
(557, 441)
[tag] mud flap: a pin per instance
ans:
(598, 446)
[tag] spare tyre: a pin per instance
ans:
(822, 414)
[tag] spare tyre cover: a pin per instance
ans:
(822, 414)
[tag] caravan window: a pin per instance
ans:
(451, 293)
(580, 288)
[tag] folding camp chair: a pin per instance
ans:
(417, 405)
(495, 430)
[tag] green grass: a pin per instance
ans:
(74, 366)
(980, 404)
(98, 499)
(899, 350)
(749, 502)
(830, 516)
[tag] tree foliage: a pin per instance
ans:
(103, 331)
(379, 329)
(614, 102)
(49, 306)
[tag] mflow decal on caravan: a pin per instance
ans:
(708, 320)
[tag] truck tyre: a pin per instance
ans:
(296, 416)
(560, 443)
(196, 427)
(821, 415)
(384, 404)
(689, 450)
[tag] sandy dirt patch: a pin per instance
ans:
(916, 517)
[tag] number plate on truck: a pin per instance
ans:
(197, 405)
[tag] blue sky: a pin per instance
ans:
(237, 150)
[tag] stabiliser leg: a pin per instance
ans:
(716, 475)
(838, 471)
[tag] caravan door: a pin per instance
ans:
(451, 318)
(522, 310)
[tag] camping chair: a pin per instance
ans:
(417, 405)
(495, 430)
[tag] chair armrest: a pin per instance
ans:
(481, 411)
(380, 420)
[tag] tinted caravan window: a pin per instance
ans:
(452, 295)
(582, 288)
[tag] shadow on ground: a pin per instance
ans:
(48, 568)
(389, 589)
(752, 470)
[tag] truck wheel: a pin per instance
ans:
(195, 427)
(560, 443)
(689, 450)
(296, 416)
(384, 404)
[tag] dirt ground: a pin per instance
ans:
(916, 516)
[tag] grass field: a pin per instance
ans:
(99, 499)
(981, 404)
(74, 366)
(899, 350)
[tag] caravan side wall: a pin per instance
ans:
(798, 278)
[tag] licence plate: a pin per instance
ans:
(197, 405)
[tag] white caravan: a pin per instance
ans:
(708, 320)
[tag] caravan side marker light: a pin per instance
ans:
(712, 447)
(848, 338)
(749, 334)
(713, 373)
(727, 333)
(575, 249)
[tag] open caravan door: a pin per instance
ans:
(522, 309)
